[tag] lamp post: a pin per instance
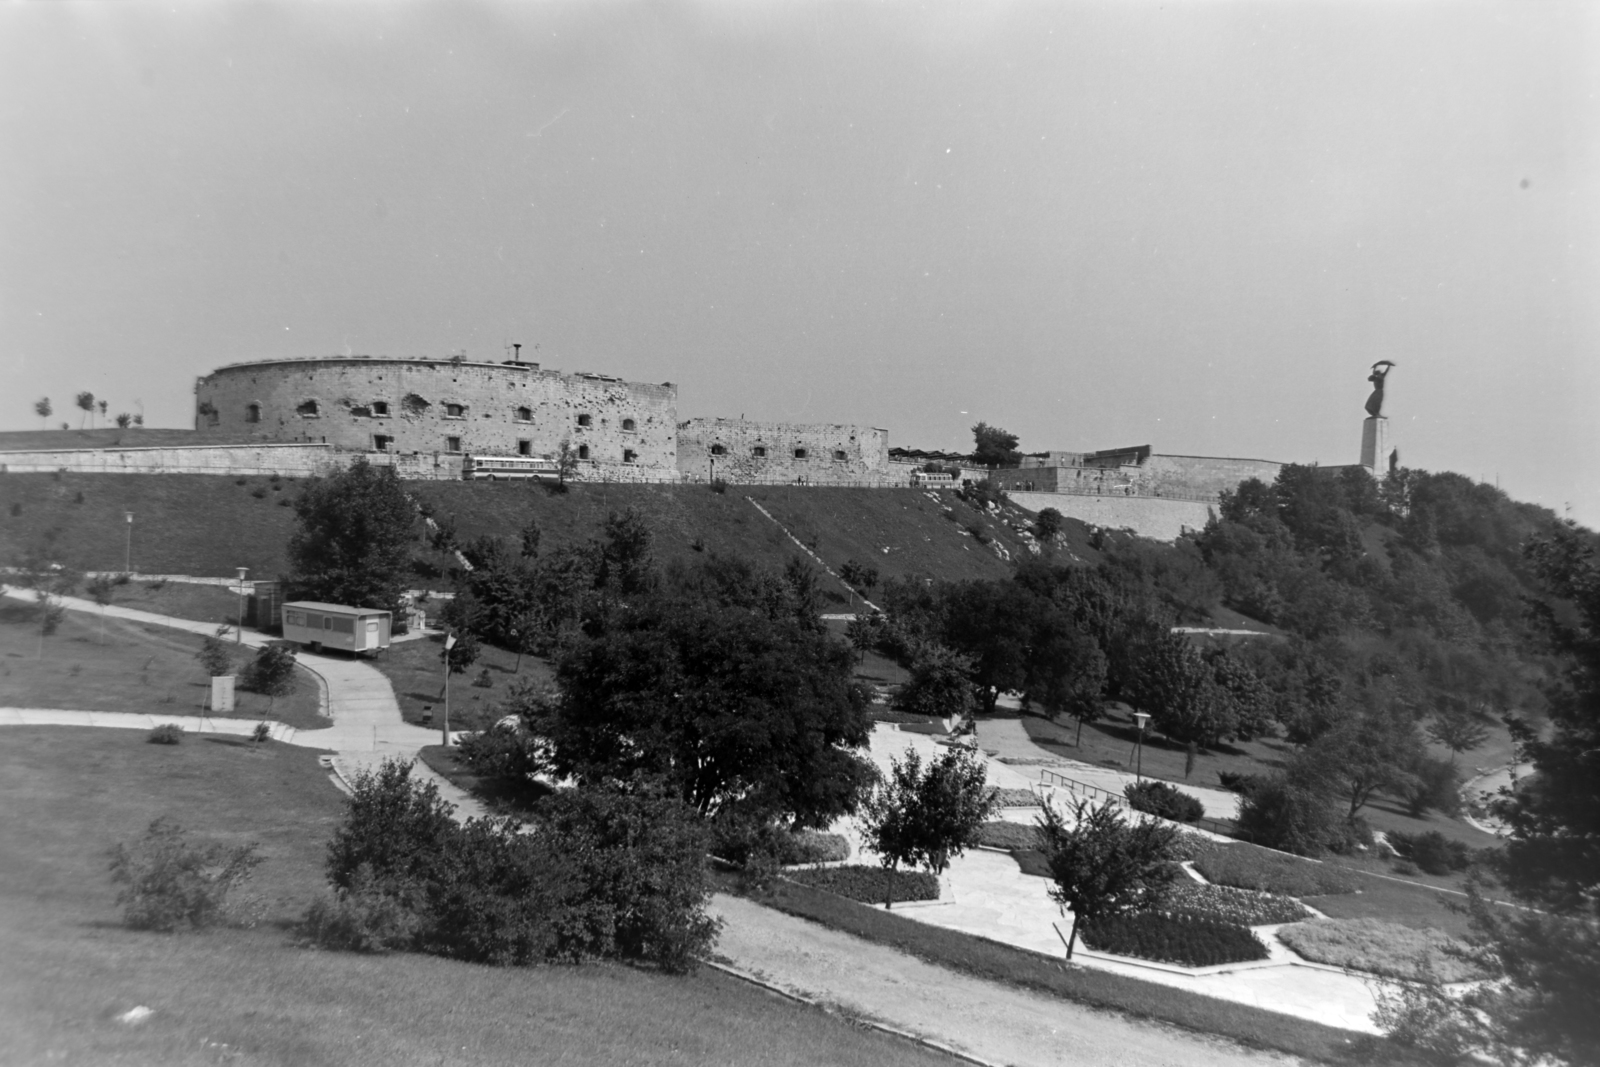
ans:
(127, 552)
(1143, 717)
(238, 635)
(449, 643)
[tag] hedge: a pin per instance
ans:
(1433, 852)
(1011, 836)
(1164, 801)
(1244, 907)
(867, 884)
(1185, 940)
(735, 843)
(1251, 867)
(1017, 798)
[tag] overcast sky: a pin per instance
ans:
(1193, 225)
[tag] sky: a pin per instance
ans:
(1191, 225)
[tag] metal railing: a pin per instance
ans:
(1094, 792)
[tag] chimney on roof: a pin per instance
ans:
(516, 355)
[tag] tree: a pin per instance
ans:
(86, 403)
(352, 540)
(271, 673)
(1456, 726)
(927, 817)
(858, 575)
(1372, 752)
(1102, 865)
(994, 447)
(990, 623)
(100, 589)
(124, 420)
(103, 406)
(1177, 687)
(41, 408)
(1047, 524)
(48, 615)
(1065, 669)
(214, 656)
(566, 463)
(531, 536)
(940, 685)
(728, 703)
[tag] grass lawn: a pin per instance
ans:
(1003, 963)
(68, 968)
(185, 600)
(131, 668)
(416, 670)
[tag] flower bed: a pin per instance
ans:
(1249, 867)
(867, 884)
(1013, 836)
(1244, 907)
(1185, 940)
(1379, 947)
(1017, 798)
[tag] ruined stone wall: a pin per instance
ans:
(1205, 475)
(285, 460)
(1172, 477)
(421, 406)
(1162, 519)
(740, 450)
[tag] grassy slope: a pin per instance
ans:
(207, 525)
(416, 672)
(67, 968)
(132, 668)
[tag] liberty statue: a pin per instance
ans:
(1380, 371)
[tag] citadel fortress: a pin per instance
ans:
(424, 416)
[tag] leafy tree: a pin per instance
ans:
(352, 539)
(994, 447)
(531, 536)
(395, 827)
(1373, 752)
(927, 817)
(124, 420)
(1102, 865)
(462, 653)
(1178, 688)
(990, 623)
(1285, 812)
(48, 614)
(1456, 726)
(1047, 524)
(215, 656)
(940, 685)
(858, 575)
(271, 673)
(86, 403)
(42, 408)
(566, 463)
(100, 590)
(626, 555)
(729, 700)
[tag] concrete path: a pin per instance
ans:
(985, 893)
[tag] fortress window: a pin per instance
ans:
(838, 454)
(380, 407)
(252, 413)
(628, 424)
(629, 455)
(799, 453)
(380, 443)
(583, 451)
(760, 451)
(452, 444)
(524, 448)
(718, 450)
(584, 420)
(455, 411)
(307, 409)
(524, 414)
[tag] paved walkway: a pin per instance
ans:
(985, 893)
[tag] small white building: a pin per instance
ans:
(320, 626)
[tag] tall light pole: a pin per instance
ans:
(449, 643)
(127, 552)
(1143, 717)
(238, 635)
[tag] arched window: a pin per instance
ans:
(252, 413)
(628, 424)
(524, 414)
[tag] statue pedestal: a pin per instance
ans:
(1375, 445)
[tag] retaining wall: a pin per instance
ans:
(745, 451)
(1153, 517)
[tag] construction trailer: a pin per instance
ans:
(338, 626)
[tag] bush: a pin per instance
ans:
(262, 733)
(1243, 907)
(1436, 786)
(1186, 940)
(1012, 836)
(215, 656)
(741, 843)
(1385, 948)
(509, 755)
(484, 680)
(1165, 801)
(1281, 814)
(1246, 867)
(271, 672)
(870, 885)
(367, 917)
(168, 733)
(1433, 852)
(169, 883)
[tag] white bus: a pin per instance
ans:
(490, 468)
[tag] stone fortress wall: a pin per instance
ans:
(748, 451)
(1133, 472)
(421, 407)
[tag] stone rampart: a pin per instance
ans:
(423, 406)
(258, 460)
(1161, 519)
(745, 451)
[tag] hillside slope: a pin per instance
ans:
(206, 525)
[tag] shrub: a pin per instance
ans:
(367, 917)
(1186, 940)
(870, 885)
(1246, 867)
(168, 733)
(169, 883)
(1012, 836)
(484, 680)
(1285, 815)
(1163, 800)
(1433, 852)
(259, 492)
(739, 842)
(1225, 904)
(719, 485)
(215, 656)
(396, 827)
(271, 672)
(262, 733)
(1435, 786)
(509, 755)
(1384, 948)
